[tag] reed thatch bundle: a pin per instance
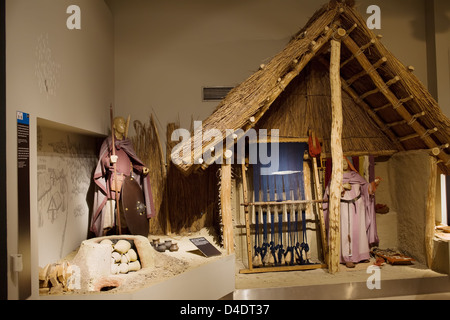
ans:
(191, 202)
(148, 148)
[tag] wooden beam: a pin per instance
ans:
(364, 72)
(359, 52)
(416, 135)
(389, 105)
(279, 203)
(225, 204)
(247, 218)
(283, 268)
(319, 206)
(391, 97)
(402, 122)
(431, 211)
(334, 206)
(381, 89)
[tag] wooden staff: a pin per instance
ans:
(247, 220)
(115, 172)
(318, 192)
(127, 128)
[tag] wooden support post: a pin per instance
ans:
(336, 154)
(247, 218)
(430, 214)
(225, 203)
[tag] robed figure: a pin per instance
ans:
(358, 217)
(114, 166)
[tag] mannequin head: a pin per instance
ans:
(345, 165)
(119, 127)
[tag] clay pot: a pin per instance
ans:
(155, 242)
(168, 243)
(173, 247)
(161, 247)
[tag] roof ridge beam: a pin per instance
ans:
(423, 133)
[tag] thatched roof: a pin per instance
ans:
(386, 108)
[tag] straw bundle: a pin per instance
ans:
(148, 148)
(192, 202)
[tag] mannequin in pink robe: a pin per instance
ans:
(358, 217)
(128, 164)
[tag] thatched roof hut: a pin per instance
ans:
(386, 108)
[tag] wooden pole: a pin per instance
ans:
(430, 213)
(225, 203)
(323, 232)
(336, 154)
(119, 226)
(247, 219)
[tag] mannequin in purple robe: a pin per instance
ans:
(127, 164)
(358, 217)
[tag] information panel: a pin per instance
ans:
(23, 195)
(205, 247)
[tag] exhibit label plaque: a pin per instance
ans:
(205, 247)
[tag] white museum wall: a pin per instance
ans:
(65, 76)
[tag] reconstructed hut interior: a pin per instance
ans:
(253, 189)
(337, 81)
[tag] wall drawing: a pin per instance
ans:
(47, 70)
(66, 162)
